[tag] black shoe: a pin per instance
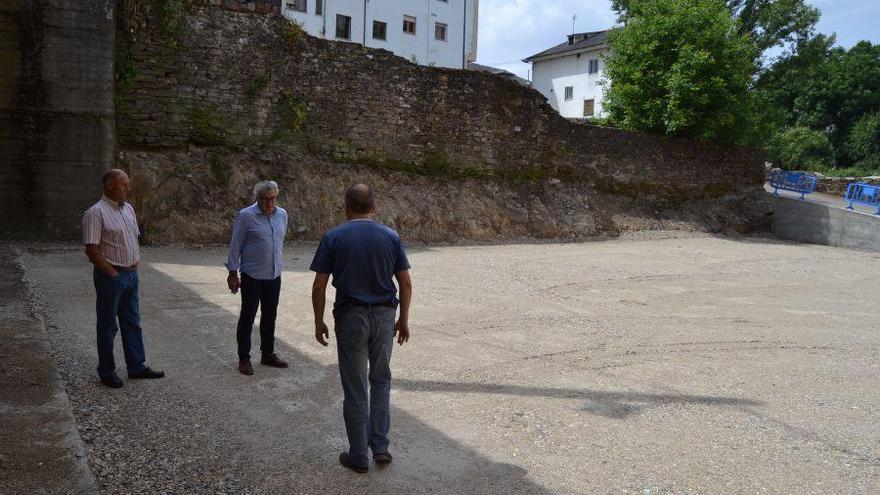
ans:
(147, 373)
(345, 461)
(382, 457)
(112, 382)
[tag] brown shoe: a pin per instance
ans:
(273, 360)
(245, 367)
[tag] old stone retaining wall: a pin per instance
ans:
(213, 78)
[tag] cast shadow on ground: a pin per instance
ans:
(602, 403)
(292, 416)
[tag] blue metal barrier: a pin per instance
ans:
(798, 182)
(863, 194)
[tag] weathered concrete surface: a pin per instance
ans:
(40, 448)
(644, 365)
(56, 113)
(820, 221)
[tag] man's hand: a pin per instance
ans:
(233, 282)
(401, 329)
(321, 333)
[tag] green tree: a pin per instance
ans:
(800, 148)
(769, 23)
(826, 89)
(679, 67)
(862, 146)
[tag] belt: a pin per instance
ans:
(132, 268)
(376, 305)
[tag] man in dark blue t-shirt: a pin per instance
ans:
(363, 256)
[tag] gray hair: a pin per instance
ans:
(264, 186)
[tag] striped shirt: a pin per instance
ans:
(113, 228)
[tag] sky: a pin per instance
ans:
(511, 30)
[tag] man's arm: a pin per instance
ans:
(100, 261)
(319, 301)
(401, 328)
(235, 247)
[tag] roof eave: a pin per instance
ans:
(540, 58)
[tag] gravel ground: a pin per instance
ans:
(652, 364)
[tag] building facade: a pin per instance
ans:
(439, 33)
(568, 74)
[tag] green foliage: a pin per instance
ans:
(679, 67)
(830, 90)
(169, 14)
(292, 31)
(800, 148)
(768, 23)
(862, 146)
(601, 121)
(257, 84)
(292, 115)
(211, 128)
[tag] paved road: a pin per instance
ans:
(643, 365)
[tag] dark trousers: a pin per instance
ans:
(117, 308)
(263, 295)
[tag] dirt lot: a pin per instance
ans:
(652, 364)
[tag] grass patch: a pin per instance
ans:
(292, 116)
(256, 85)
(210, 128)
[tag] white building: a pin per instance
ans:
(569, 73)
(429, 32)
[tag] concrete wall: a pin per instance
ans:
(56, 113)
(819, 224)
(550, 77)
(458, 48)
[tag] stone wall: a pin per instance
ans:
(836, 186)
(213, 78)
(211, 95)
(56, 113)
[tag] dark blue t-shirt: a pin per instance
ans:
(362, 256)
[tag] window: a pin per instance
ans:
(589, 108)
(409, 24)
(343, 26)
(569, 93)
(594, 65)
(379, 29)
(439, 31)
(298, 5)
(319, 7)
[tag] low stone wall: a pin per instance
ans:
(836, 186)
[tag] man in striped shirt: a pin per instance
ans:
(110, 234)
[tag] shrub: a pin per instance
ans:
(800, 148)
(862, 146)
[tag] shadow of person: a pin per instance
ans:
(205, 426)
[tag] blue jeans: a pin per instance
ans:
(117, 299)
(365, 336)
